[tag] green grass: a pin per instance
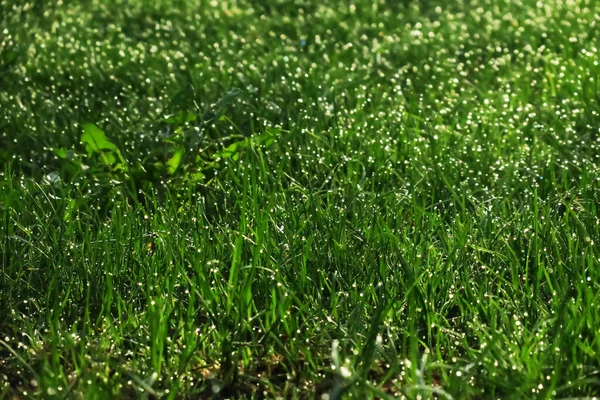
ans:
(253, 199)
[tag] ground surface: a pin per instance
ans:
(299, 198)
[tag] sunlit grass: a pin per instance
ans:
(328, 199)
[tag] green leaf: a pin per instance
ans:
(96, 142)
(233, 150)
(60, 153)
(196, 177)
(65, 154)
(173, 163)
(266, 139)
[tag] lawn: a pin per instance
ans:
(300, 199)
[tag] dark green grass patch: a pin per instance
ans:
(252, 199)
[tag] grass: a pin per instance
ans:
(307, 199)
